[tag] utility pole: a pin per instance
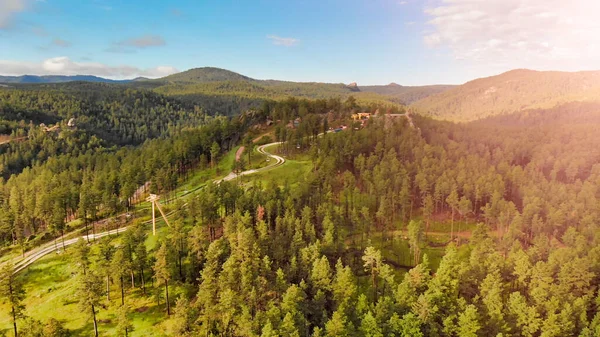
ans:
(153, 198)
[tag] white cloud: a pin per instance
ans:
(283, 41)
(541, 34)
(131, 45)
(8, 8)
(65, 66)
(39, 31)
(61, 43)
(176, 13)
(143, 41)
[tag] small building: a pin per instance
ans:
(54, 128)
(361, 116)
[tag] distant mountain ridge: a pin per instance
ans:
(512, 91)
(209, 79)
(30, 79)
(228, 92)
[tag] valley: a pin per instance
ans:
(314, 211)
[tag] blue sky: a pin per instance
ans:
(409, 42)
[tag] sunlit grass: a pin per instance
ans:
(50, 285)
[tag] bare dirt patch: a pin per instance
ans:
(238, 154)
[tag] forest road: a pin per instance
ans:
(56, 245)
(261, 149)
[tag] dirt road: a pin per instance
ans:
(239, 152)
(35, 254)
(261, 149)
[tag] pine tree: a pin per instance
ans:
(177, 237)
(268, 331)
(162, 271)
(491, 290)
(372, 263)
(415, 238)
(452, 201)
(54, 328)
(344, 288)
(408, 325)
(11, 292)
(119, 268)
(124, 324)
(468, 322)
(369, 326)
(338, 326)
(427, 210)
(82, 255)
(88, 294)
(214, 152)
(184, 317)
(464, 208)
(104, 263)
(141, 261)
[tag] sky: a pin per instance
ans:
(409, 42)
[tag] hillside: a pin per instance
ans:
(405, 94)
(509, 92)
(102, 115)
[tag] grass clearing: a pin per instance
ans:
(50, 285)
(291, 172)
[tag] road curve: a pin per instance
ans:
(261, 149)
(36, 254)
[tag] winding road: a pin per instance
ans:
(21, 263)
(35, 254)
(261, 149)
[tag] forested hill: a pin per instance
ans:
(116, 114)
(405, 94)
(206, 74)
(510, 92)
(220, 81)
(100, 115)
(226, 92)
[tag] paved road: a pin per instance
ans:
(50, 247)
(33, 255)
(261, 149)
